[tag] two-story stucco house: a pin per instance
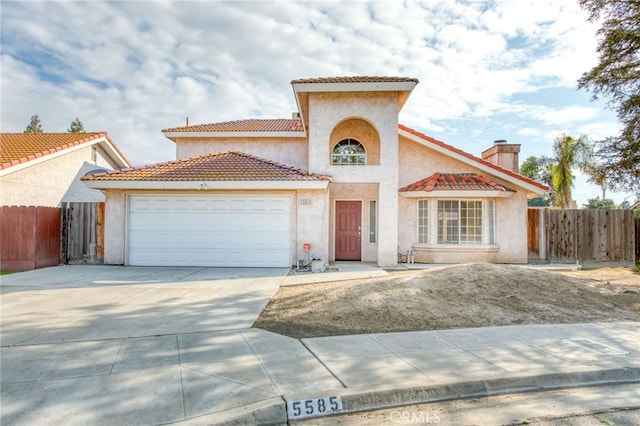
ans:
(341, 176)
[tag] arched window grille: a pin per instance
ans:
(349, 152)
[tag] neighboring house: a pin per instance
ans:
(44, 169)
(342, 175)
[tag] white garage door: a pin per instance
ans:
(209, 231)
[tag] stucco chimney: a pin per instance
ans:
(503, 154)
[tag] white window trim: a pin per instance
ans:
(350, 140)
(432, 229)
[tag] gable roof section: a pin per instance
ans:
(531, 185)
(223, 170)
(22, 148)
(250, 125)
(455, 182)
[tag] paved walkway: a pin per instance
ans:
(73, 352)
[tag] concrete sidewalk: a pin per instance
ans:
(152, 346)
(247, 376)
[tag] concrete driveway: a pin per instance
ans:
(91, 302)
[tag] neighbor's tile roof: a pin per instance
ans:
(250, 125)
(455, 182)
(355, 79)
(221, 166)
(17, 148)
(472, 157)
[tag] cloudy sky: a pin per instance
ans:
(496, 69)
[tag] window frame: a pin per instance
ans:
(357, 158)
(423, 221)
(462, 228)
(373, 221)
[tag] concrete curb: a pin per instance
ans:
(355, 400)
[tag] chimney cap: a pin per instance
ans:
(499, 141)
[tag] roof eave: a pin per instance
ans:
(206, 185)
(457, 194)
(112, 150)
(378, 86)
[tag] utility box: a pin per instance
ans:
(317, 265)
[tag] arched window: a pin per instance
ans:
(349, 152)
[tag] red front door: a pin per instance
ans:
(348, 229)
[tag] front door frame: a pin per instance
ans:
(357, 258)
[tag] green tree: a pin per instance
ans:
(617, 79)
(76, 126)
(34, 125)
(597, 203)
(568, 153)
(539, 169)
(597, 174)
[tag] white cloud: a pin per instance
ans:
(134, 68)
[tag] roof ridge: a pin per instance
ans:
(190, 127)
(354, 79)
(212, 162)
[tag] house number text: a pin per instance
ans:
(313, 407)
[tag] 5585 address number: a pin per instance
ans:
(313, 407)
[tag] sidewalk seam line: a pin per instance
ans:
(184, 410)
(323, 364)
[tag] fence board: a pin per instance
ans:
(30, 237)
(586, 236)
(533, 233)
(637, 242)
(84, 234)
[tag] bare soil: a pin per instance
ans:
(460, 296)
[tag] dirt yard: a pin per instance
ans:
(470, 295)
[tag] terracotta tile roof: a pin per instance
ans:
(17, 148)
(472, 157)
(455, 182)
(221, 166)
(355, 79)
(250, 125)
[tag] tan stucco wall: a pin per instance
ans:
(55, 180)
(365, 133)
(312, 224)
(363, 192)
(114, 227)
(309, 222)
(380, 109)
(418, 162)
(288, 151)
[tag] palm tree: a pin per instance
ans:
(569, 153)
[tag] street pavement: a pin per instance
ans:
(109, 345)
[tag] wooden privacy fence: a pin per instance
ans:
(585, 236)
(637, 240)
(82, 233)
(29, 238)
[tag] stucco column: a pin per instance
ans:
(388, 196)
(114, 227)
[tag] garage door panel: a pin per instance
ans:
(209, 231)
